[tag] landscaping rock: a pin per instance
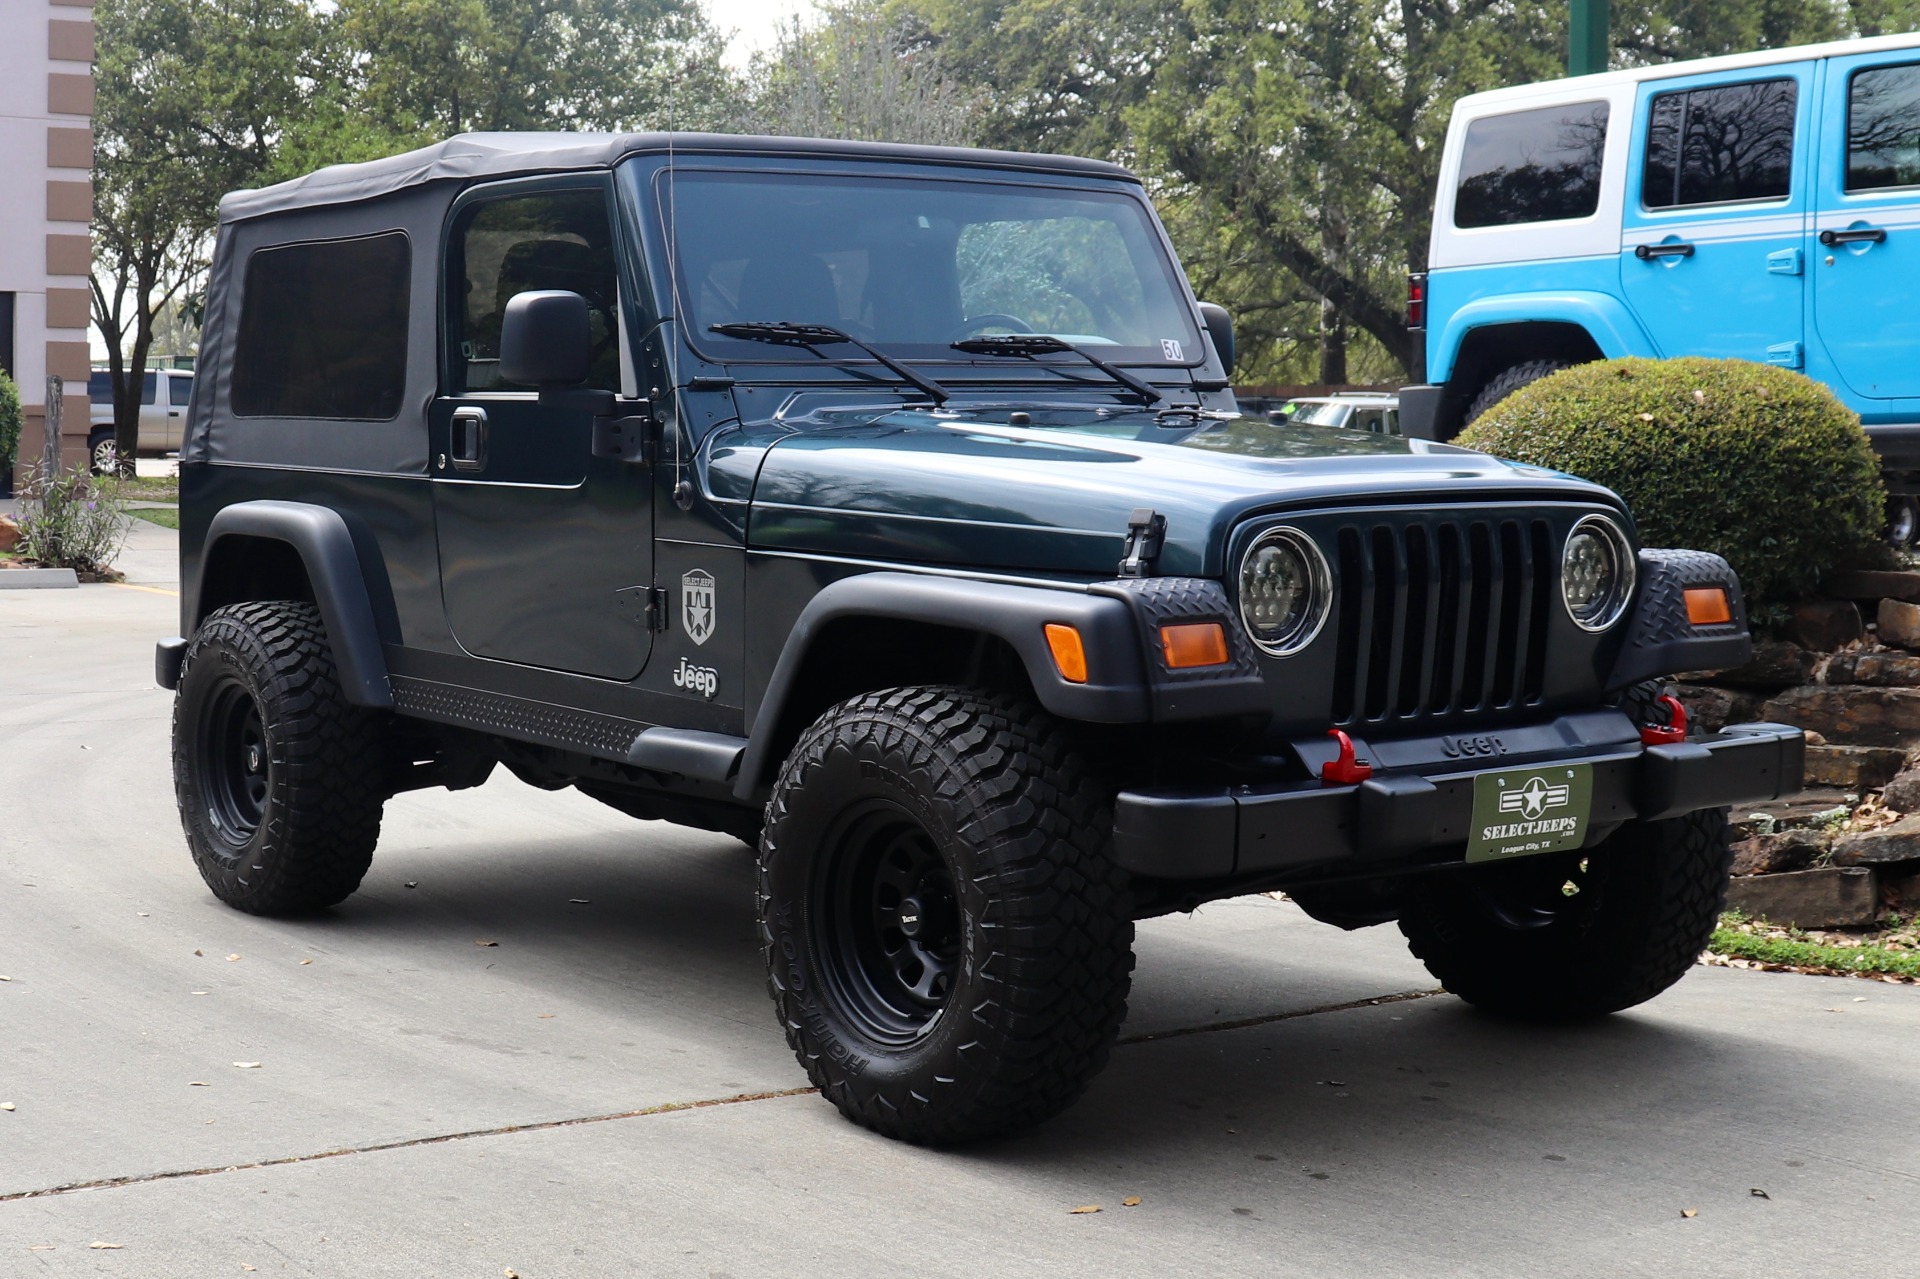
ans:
(1903, 792)
(1853, 768)
(1710, 709)
(1899, 842)
(1832, 897)
(1885, 668)
(1899, 623)
(1874, 584)
(1824, 625)
(1851, 715)
(9, 533)
(1902, 892)
(1785, 850)
(1775, 664)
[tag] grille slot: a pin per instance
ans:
(1438, 619)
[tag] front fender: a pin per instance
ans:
(1604, 317)
(325, 546)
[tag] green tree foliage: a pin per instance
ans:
(9, 421)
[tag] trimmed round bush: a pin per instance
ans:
(1759, 464)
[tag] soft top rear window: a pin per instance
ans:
(323, 330)
(1532, 166)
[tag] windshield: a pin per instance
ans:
(1334, 414)
(912, 265)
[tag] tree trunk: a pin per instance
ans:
(1333, 345)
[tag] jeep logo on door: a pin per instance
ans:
(696, 605)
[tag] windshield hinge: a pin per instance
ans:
(1146, 529)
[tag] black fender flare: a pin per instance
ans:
(322, 540)
(1115, 691)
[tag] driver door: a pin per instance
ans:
(546, 552)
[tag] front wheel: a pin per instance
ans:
(279, 780)
(947, 938)
(103, 453)
(1567, 937)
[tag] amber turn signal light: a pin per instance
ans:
(1708, 605)
(1069, 654)
(1194, 644)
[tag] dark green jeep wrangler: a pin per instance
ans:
(888, 507)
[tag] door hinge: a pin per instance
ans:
(1788, 355)
(1146, 529)
(628, 438)
(656, 597)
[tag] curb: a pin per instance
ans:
(38, 579)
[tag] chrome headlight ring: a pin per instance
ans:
(1285, 591)
(1597, 573)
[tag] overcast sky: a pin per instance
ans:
(752, 23)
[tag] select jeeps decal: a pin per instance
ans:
(1529, 811)
(703, 680)
(696, 607)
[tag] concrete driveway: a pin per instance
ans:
(604, 1091)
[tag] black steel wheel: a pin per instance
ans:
(1579, 935)
(948, 942)
(279, 781)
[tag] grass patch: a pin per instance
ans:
(165, 517)
(1892, 950)
(151, 488)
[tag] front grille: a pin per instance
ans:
(1440, 618)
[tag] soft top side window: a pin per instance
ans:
(1883, 128)
(519, 244)
(1541, 165)
(1720, 145)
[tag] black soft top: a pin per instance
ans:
(475, 155)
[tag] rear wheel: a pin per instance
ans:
(279, 780)
(1563, 938)
(947, 938)
(1903, 522)
(1509, 380)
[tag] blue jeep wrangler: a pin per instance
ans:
(1760, 207)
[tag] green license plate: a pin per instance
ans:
(1526, 811)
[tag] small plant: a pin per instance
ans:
(72, 520)
(9, 421)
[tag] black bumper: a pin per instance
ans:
(1396, 816)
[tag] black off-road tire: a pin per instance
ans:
(279, 780)
(1509, 380)
(1509, 939)
(978, 797)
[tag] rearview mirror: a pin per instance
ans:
(545, 339)
(1220, 329)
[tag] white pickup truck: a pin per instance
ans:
(164, 394)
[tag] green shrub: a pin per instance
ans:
(9, 420)
(1756, 463)
(73, 520)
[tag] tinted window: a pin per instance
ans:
(557, 240)
(1883, 128)
(149, 383)
(323, 330)
(1714, 146)
(179, 391)
(100, 387)
(1532, 166)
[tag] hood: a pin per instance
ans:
(952, 488)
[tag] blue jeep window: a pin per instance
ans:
(1883, 128)
(1532, 166)
(323, 330)
(1721, 145)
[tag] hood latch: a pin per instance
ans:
(1146, 530)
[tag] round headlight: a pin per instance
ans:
(1285, 591)
(1596, 573)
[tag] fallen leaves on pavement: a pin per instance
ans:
(1083, 1208)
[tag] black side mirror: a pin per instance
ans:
(545, 339)
(1220, 329)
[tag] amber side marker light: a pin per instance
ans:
(1069, 654)
(1708, 605)
(1194, 644)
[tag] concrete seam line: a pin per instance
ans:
(110, 1183)
(1243, 1023)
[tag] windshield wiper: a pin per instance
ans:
(1032, 344)
(786, 333)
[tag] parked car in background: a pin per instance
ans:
(164, 394)
(1761, 207)
(1354, 410)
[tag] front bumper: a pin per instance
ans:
(1422, 815)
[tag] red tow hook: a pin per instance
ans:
(1346, 770)
(1675, 731)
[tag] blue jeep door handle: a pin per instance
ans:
(1854, 235)
(1647, 252)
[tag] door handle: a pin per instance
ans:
(1854, 235)
(467, 443)
(1648, 252)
